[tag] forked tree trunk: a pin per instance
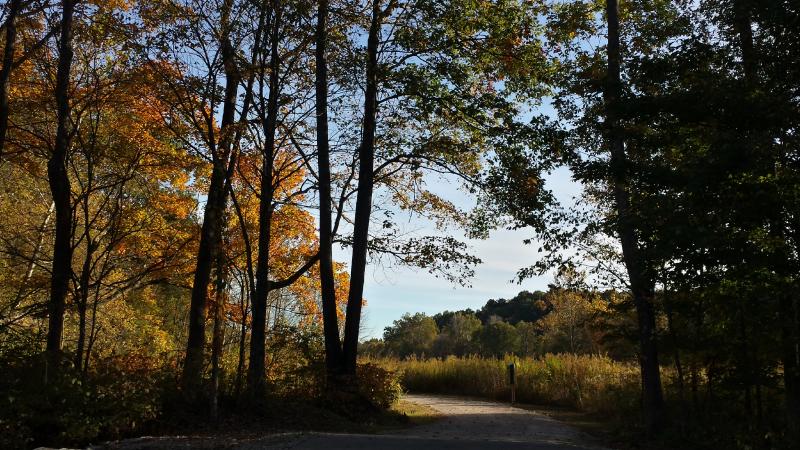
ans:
(366, 181)
(330, 324)
(212, 219)
(248, 287)
(642, 284)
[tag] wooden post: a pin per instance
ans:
(512, 380)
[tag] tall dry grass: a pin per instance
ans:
(610, 389)
(592, 383)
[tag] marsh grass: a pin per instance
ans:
(591, 383)
(602, 397)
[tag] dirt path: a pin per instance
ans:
(469, 419)
(466, 424)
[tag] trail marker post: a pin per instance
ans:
(512, 380)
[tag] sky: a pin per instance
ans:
(391, 292)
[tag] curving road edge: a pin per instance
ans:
(466, 424)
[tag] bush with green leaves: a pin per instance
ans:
(43, 406)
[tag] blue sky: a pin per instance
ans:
(393, 291)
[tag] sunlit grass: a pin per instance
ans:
(593, 383)
(416, 413)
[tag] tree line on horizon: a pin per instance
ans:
(530, 324)
(174, 175)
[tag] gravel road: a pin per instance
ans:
(466, 424)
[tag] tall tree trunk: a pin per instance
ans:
(5, 73)
(255, 373)
(242, 337)
(220, 299)
(193, 365)
(248, 98)
(743, 27)
(82, 302)
(60, 189)
(250, 278)
(366, 181)
(642, 285)
(212, 218)
(333, 347)
(93, 331)
(218, 334)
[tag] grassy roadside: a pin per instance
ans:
(283, 416)
(606, 430)
(415, 413)
(600, 428)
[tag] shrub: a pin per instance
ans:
(379, 385)
(114, 398)
(295, 364)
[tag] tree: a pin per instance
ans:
(326, 233)
(528, 338)
(214, 209)
(639, 274)
(374, 348)
(115, 179)
(568, 327)
(366, 182)
(280, 170)
(60, 189)
(438, 114)
(189, 79)
(525, 306)
(411, 335)
(458, 334)
(497, 339)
